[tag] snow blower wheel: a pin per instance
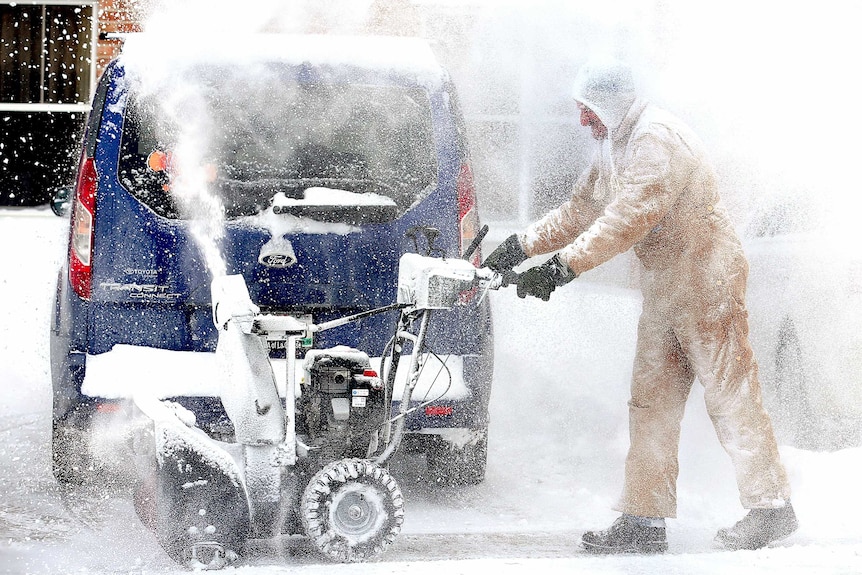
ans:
(352, 510)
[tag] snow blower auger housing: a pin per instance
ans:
(311, 460)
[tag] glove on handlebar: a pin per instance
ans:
(507, 255)
(541, 280)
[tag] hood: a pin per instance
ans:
(607, 88)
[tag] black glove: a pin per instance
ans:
(541, 280)
(507, 255)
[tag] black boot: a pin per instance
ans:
(759, 528)
(626, 536)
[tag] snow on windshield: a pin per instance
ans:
(332, 197)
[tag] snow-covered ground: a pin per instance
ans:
(557, 444)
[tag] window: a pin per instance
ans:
(264, 133)
(46, 53)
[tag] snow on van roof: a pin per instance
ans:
(402, 55)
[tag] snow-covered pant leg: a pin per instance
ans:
(721, 354)
(661, 383)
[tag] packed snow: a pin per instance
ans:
(165, 373)
(318, 196)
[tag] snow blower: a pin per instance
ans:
(312, 461)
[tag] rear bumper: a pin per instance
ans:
(105, 353)
(444, 397)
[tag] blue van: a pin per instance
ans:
(307, 164)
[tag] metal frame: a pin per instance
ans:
(94, 37)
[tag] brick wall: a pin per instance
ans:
(115, 16)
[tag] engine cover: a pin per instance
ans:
(341, 406)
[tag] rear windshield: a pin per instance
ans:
(267, 136)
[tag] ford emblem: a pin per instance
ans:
(277, 253)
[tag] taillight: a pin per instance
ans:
(439, 410)
(468, 222)
(81, 241)
(108, 406)
(468, 213)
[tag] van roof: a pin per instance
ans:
(401, 55)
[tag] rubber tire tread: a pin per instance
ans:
(318, 497)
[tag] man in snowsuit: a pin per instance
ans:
(652, 188)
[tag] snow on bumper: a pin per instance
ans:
(127, 371)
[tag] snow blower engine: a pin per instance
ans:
(308, 456)
(342, 403)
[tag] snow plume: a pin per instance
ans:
(190, 185)
(176, 103)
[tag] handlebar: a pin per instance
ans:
(488, 279)
(474, 245)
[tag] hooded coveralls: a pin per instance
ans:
(652, 188)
